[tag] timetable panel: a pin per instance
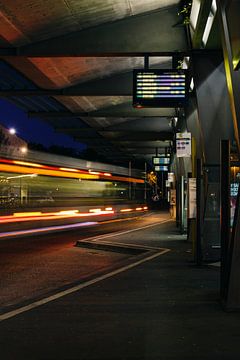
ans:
(159, 88)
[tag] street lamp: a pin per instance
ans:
(23, 149)
(12, 131)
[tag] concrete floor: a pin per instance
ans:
(166, 308)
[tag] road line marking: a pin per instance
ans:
(126, 219)
(119, 219)
(127, 245)
(98, 237)
(44, 301)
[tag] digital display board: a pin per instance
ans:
(159, 88)
(160, 168)
(161, 160)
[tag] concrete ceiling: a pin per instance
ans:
(77, 58)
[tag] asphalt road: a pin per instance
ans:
(63, 302)
(38, 266)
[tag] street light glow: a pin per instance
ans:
(12, 131)
(23, 149)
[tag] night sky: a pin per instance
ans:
(33, 130)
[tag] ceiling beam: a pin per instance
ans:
(132, 36)
(140, 136)
(117, 85)
(120, 111)
(124, 136)
(151, 143)
(109, 129)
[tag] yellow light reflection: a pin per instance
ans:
(27, 163)
(94, 172)
(68, 169)
(67, 212)
(32, 213)
(58, 173)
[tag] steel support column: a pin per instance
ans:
(224, 214)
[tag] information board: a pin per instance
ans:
(159, 88)
(183, 144)
(192, 201)
(171, 177)
(161, 168)
(233, 199)
(161, 160)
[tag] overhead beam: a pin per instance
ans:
(140, 136)
(109, 129)
(141, 143)
(133, 36)
(124, 136)
(118, 85)
(120, 111)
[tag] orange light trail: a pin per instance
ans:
(94, 172)
(27, 163)
(23, 167)
(62, 214)
(41, 171)
(126, 210)
(68, 169)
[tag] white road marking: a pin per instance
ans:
(126, 245)
(44, 301)
(104, 236)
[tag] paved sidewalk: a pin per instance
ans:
(166, 308)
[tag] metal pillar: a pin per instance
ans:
(224, 215)
(182, 205)
(145, 182)
(198, 246)
(146, 62)
(129, 183)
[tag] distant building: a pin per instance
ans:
(11, 142)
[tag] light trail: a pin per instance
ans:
(47, 229)
(63, 214)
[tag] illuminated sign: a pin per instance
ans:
(171, 177)
(234, 189)
(161, 160)
(159, 88)
(161, 168)
(184, 144)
